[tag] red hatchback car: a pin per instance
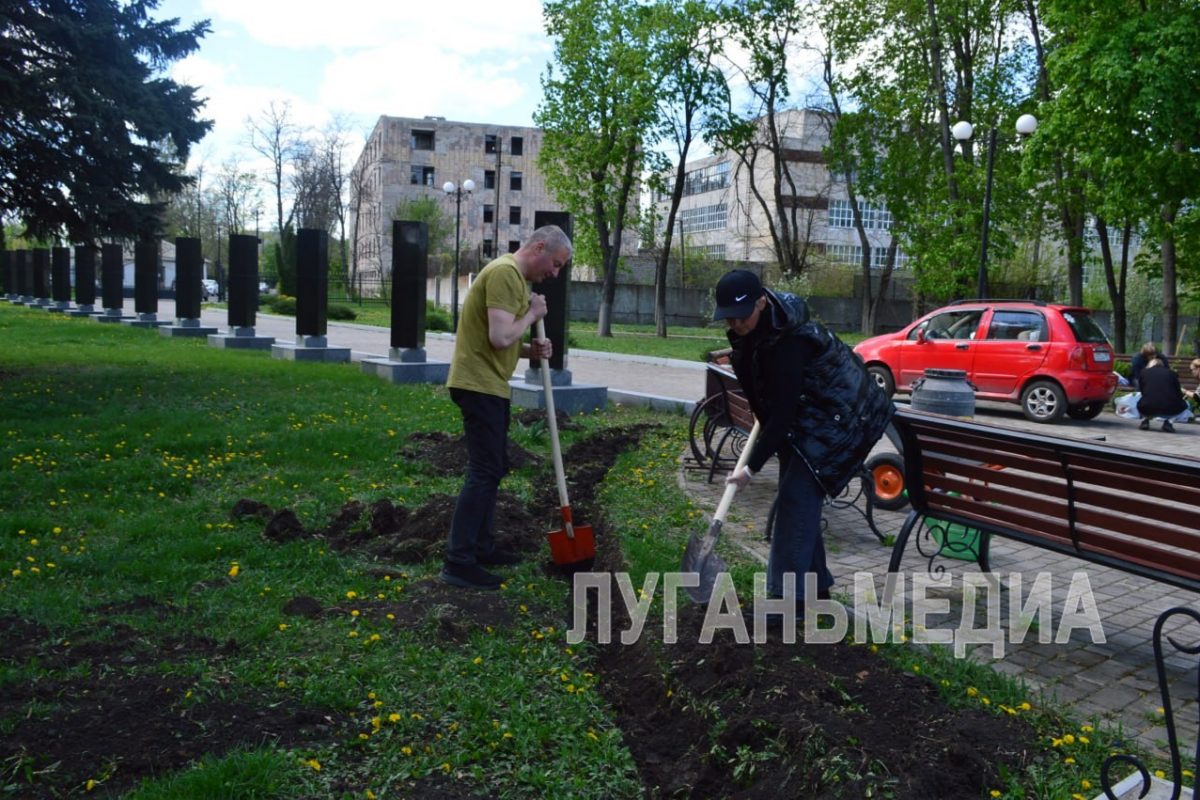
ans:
(1052, 359)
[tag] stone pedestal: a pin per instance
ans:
(59, 307)
(187, 327)
(568, 398)
(241, 338)
(146, 319)
(82, 311)
(113, 315)
(407, 365)
(311, 348)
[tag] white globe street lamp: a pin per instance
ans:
(449, 188)
(962, 131)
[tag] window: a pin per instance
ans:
(489, 143)
(957, 324)
(488, 248)
(518, 146)
(874, 216)
(421, 176)
(703, 218)
(1025, 325)
(514, 181)
(513, 245)
(422, 140)
(489, 179)
(852, 254)
(514, 215)
(706, 179)
(489, 213)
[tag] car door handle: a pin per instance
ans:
(1033, 347)
(963, 346)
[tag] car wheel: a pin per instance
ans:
(885, 481)
(883, 378)
(1043, 401)
(1086, 411)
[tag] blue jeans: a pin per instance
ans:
(796, 543)
(485, 422)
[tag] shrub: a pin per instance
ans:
(344, 313)
(436, 319)
(280, 304)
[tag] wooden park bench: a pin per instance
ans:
(1182, 366)
(966, 481)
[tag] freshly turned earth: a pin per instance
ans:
(715, 720)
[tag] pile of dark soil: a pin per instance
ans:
(119, 717)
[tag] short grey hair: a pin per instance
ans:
(554, 237)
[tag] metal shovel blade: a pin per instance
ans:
(701, 558)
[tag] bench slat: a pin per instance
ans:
(1115, 506)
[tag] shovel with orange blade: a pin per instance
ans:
(572, 546)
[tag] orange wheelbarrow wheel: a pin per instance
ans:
(885, 481)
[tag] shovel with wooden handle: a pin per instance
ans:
(699, 557)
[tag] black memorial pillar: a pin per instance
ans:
(24, 275)
(410, 248)
(60, 275)
(41, 275)
(147, 264)
(189, 268)
(85, 275)
(112, 276)
(312, 282)
(242, 283)
(555, 291)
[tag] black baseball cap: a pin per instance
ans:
(737, 292)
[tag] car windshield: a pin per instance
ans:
(1084, 327)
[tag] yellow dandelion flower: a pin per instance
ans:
(415, 715)
(972, 691)
(370, 795)
(994, 793)
(1069, 760)
(391, 616)
(233, 570)
(374, 637)
(363, 736)
(477, 660)
(351, 595)
(1085, 784)
(1069, 739)
(353, 634)
(91, 784)
(283, 626)
(1026, 707)
(406, 750)
(313, 764)
(445, 766)
(354, 613)
(393, 717)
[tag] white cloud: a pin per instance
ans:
(468, 25)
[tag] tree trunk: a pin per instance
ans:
(1116, 294)
(1170, 305)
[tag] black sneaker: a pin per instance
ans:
(469, 576)
(499, 558)
(1168, 427)
(1145, 426)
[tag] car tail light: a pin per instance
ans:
(1077, 359)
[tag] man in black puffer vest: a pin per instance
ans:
(819, 409)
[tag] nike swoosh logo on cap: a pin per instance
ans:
(740, 298)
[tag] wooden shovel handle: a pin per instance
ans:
(731, 489)
(555, 448)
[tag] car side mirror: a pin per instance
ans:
(920, 336)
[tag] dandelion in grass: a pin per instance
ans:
(313, 764)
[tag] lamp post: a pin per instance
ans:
(448, 187)
(1026, 124)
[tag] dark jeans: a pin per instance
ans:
(796, 543)
(485, 421)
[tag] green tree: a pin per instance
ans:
(438, 220)
(1120, 71)
(91, 130)
(598, 113)
(691, 86)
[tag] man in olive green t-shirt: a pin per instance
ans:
(497, 312)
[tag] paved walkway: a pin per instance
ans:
(1113, 680)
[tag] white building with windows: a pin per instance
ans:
(720, 217)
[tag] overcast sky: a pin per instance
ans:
(465, 60)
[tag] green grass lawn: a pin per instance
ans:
(123, 455)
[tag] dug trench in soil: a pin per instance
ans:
(775, 720)
(109, 712)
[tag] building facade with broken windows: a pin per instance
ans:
(407, 158)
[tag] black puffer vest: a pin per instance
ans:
(842, 412)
